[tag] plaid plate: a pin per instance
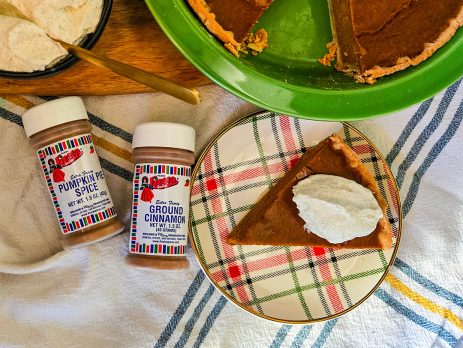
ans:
(289, 284)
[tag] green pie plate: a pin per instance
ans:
(287, 78)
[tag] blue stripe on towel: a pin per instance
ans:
(210, 321)
(9, 116)
(280, 336)
(416, 318)
(180, 311)
(325, 333)
(428, 284)
(301, 336)
(110, 128)
(106, 126)
(433, 154)
(194, 318)
(412, 123)
(427, 132)
(115, 169)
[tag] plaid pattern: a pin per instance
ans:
(288, 283)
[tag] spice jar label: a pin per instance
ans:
(161, 201)
(76, 183)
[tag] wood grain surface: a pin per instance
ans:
(131, 36)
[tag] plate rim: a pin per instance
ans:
(344, 105)
(250, 310)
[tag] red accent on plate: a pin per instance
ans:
(234, 271)
(362, 149)
(318, 251)
(211, 185)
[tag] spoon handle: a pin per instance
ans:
(191, 96)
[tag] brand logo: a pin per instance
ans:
(155, 183)
(69, 158)
(163, 183)
(56, 164)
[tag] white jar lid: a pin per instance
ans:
(53, 113)
(164, 134)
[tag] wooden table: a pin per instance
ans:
(131, 36)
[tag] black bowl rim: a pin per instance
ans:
(69, 60)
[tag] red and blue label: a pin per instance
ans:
(76, 183)
(160, 209)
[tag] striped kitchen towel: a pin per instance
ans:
(88, 297)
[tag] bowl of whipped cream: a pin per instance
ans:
(29, 28)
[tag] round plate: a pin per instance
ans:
(295, 285)
(68, 60)
(287, 78)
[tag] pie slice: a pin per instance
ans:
(274, 220)
(231, 21)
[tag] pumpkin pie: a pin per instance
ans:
(231, 21)
(373, 37)
(274, 220)
(376, 37)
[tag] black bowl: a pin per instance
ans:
(69, 60)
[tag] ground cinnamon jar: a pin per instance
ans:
(163, 154)
(60, 132)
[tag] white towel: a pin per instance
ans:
(88, 297)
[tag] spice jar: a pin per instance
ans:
(60, 132)
(163, 154)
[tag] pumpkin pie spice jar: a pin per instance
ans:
(60, 132)
(163, 154)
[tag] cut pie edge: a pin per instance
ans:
(371, 75)
(255, 42)
(204, 13)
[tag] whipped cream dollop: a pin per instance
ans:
(66, 20)
(25, 24)
(26, 47)
(335, 208)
